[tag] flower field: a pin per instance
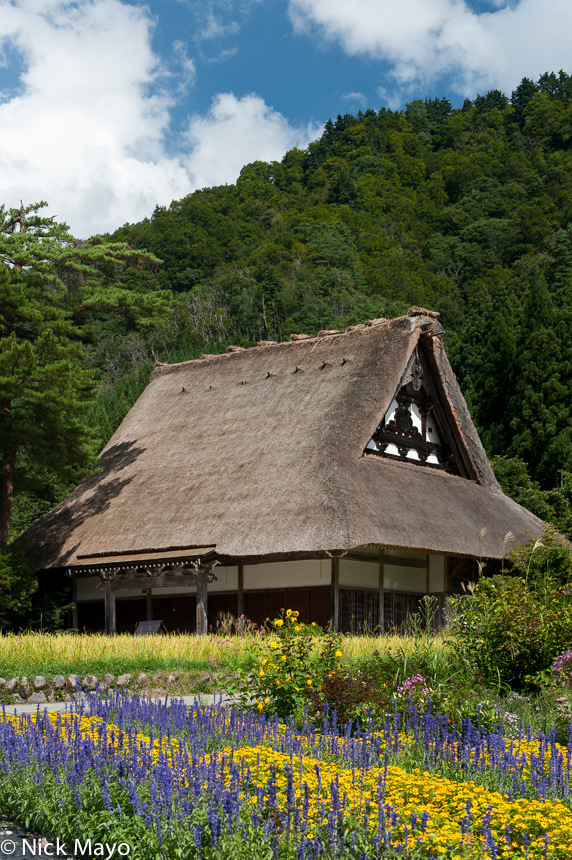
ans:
(173, 781)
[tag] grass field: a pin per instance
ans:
(48, 654)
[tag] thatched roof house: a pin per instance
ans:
(355, 445)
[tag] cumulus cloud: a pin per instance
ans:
(86, 128)
(425, 40)
(358, 98)
(236, 132)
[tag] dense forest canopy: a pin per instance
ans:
(466, 211)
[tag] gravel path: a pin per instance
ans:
(204, 698)
(19, 844)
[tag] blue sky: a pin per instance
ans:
(108, 107)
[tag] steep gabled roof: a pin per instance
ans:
(261, 452)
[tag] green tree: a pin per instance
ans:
(539, 413)
(552, 505)
(49, 284)
(17, 583)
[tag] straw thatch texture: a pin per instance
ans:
(260, 452)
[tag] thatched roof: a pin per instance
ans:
(261, 452)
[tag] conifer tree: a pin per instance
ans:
(493, 371)
(49, 282)
(539, 412)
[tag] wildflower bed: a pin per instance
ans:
(174, 781)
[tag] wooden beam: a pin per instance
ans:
(399, 561)
(381, 619)
(335, 593)
(202, 607)
(149, 604)
(143, 583)
(110, 621)
(447, 424)
(240, 591)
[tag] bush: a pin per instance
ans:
(507, 631)
(293, 663)
(548, 559)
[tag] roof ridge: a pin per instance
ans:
(295, 339)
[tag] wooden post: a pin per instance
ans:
(335, 594)
(110, 623)
(149, 604)
(202, 607)
(240, 591)
(75, 621)
(381, 619)
(445, 588)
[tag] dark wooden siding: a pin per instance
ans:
(177, 611)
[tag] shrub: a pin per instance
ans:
(293, 663)
(548, 559)
(508, 631)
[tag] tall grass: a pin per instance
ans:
(356, 647)
(48, 654)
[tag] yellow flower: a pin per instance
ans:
(278, 622)
(278, 682)
(309, 682)
(273, 645)
(260, 706)
(313, 623)
(266, 701)
(296, 614)
(338, 653)
(264, 662)
(296, 629)
(283, 657)
(288, 613)
(261, 673)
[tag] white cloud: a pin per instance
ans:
(355, 97)
(236, 132)
(428, 39)
(214, 29)
(86, 128)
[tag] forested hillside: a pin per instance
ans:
(466, 211)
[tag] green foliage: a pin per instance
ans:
(291, 667)
(507, 631)
(51, 285)
(17, 583)
(464, 211)
(468, 212)
(545, 561)
(553, 505)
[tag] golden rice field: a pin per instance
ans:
(54, 653)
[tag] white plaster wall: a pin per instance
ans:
(358, 574)
(287, 574)
(86, 589)
(404, 578)
(436, 573)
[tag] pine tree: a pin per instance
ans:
(539, 411)
(49, 282)
(492, 375)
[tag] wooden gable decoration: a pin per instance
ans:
(415, 428)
